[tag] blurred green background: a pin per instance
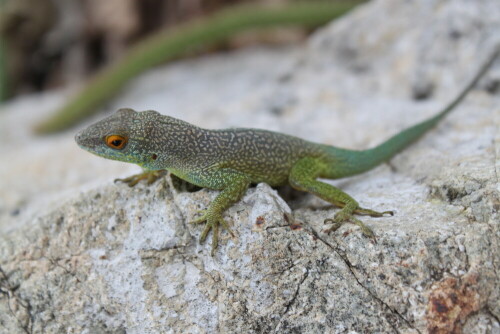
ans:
(47, 44)
(51, 43)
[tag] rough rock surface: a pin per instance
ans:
(79, 254)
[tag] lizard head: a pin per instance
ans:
(123, 136)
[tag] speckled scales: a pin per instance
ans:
(230, 160)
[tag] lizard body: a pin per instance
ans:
(230, 160)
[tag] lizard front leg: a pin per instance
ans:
(233, 185)
(150, 175)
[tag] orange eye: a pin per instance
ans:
(116, 141)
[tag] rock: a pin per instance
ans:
(90, 256)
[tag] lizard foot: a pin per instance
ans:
(150, 176)
(212, 221)
(372, 213)
(344, 217)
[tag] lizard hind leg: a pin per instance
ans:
(363, 211)
(303, 177)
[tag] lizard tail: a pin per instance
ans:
(355, 162)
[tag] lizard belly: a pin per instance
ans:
(267, 172)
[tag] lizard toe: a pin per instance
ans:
(341, 218)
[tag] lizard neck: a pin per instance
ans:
(181, 147)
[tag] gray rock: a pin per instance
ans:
(79, 254)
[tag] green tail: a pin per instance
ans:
(355, 162)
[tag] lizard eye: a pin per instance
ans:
(116, 141)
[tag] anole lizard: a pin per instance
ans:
(230, 160)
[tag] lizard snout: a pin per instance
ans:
(86, 141)
(79, 137)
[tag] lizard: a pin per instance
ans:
(230, 160)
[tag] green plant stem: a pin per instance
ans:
(166, 45)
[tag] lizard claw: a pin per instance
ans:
(201, 219)
(212, 221)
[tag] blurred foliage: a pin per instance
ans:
(3, 63)
(52, 43)
(23, 25)
(3, 72)
(171, 43)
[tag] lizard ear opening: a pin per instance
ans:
(116, 141)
